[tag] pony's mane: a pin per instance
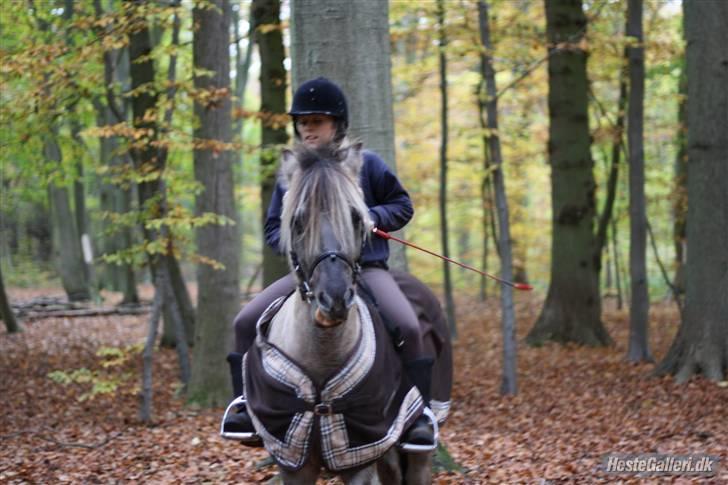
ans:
(322, 182)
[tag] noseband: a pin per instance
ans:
(303, 278)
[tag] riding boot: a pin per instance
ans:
(238, 421)
(420, 436)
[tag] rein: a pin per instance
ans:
(304, 285)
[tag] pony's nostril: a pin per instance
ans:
(349, 297)
(324, 301)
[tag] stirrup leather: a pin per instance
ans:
(413, 448)
(236, 404)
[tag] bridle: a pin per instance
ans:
(304, 286)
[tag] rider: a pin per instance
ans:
(320, 116)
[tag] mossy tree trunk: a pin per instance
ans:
(572, 311)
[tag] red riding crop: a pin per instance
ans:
(518, 286)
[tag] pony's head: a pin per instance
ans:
(324, 225)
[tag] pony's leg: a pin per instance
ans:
(389, 468)
(419, 468)
(363, 476)
(307, 475)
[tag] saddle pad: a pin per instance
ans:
(356, 417)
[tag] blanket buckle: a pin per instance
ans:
(323, 409)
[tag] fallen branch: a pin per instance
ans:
(85, 312)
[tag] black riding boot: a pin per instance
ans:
(239, 421)
(420, 434)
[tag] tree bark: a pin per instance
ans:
(639, 347)
(349, 43)
(701, 344)
(272, 106)
(6, 312)
(218, 293)
(509, 382)
(444, 232)
(572, 309)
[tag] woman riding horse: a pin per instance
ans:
(320, 117)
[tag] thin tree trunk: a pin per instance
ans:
(617, 145)
(572, 310)
(617, 269)
(486, 190)
(639, 347)
(273, 105)
(182, 301)
(509, 382)
(6, 312)
(444, 232)
(360, 64)
(152, 193)
(145, 408)
(114, 198)
(701, 344)
(218, 291)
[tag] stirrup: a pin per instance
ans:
(413, 448)
(230, 435)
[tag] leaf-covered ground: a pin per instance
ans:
(574, 405)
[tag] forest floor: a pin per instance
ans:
(574, 406)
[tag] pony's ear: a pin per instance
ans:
(288, 166)
(351, 158)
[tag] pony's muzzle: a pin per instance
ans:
(334, 309)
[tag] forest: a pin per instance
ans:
(570, 156)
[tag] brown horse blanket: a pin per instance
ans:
(356, 416)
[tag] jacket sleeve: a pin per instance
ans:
(392, 209)
(273, 219)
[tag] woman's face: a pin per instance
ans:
(316, 130)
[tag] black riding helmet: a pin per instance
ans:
(320, 96)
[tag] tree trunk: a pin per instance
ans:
(114, 198)
(509, 383)
(66, 240)
(6, 312)
(639, 347)
(273, 104)
(444, 232)
(218, 293)
(152, 193)
(605, 216)
(701, 344)
(349, 43)
(572, 309)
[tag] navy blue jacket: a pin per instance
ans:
(389, 205)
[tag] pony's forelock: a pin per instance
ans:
(322, 182)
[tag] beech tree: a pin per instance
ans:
(639, 348)
(269, 37)
(701, 344)
(509, 382)
(218, 290)
(572, 310)
(444, 233)
(361, 66)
